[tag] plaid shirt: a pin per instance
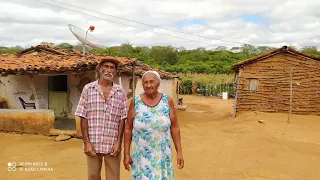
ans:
(103, 115)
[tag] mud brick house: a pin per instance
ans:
(278, 81)
(52, 79)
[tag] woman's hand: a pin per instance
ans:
(127, 162)
(180, 161)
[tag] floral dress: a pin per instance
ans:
(151, 141)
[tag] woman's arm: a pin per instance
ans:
(175, 133)
(127, 161)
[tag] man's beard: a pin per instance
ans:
(107, 76)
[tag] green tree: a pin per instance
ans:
(311, 50)
(10, 50)
(221, 48)
(65, 46)
(264, 49)
(164, 54)
(180, 60)
(47, 43)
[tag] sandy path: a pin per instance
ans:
(215, 147)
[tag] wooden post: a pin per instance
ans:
(133, 79)
(290, 108)
(119, 78)
(32, 86)
(237, 79)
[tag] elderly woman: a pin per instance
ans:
(151, 120)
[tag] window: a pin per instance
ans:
(253, 84)
(58, 83)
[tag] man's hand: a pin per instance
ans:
(116, 149)
(180, 161)
(127, 162)
(89, 149)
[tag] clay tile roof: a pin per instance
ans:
(57, 60)
(283, 49)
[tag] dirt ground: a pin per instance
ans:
(215, 146)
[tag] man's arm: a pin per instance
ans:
(82, 113)
(84, 130)
(123, 117)
(88, 146)
(121, 130)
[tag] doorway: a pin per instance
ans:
(58, 102)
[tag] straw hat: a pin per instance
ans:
(109, 59)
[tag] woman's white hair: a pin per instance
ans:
(153, 72)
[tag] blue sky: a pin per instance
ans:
(181, 24)
(255, 19)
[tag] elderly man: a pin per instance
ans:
(103, 111)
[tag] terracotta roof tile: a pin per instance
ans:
(56, 60)
(10, 64)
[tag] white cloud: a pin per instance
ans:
(286, 22)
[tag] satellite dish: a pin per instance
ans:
(85, 38)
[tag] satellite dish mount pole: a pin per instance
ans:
(84, 46)
(91, 28)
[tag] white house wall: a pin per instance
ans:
(33, 89)
(125, 81)
(167, 86)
